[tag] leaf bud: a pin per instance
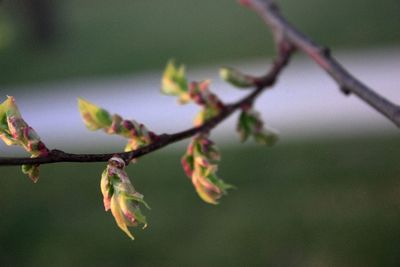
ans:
(236, 78)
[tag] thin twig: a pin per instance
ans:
(163, 140)
(283, 30)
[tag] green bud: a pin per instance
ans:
(266, 137)
(93, 116)
(103, 117)
(96, 118)
(236, 78)
(251, 124)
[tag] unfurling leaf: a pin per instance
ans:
(120, 196)
(250, 124)
(200, 165)
(15, 131)
(96, 118)
(236, 78)
(174, 82)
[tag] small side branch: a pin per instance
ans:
(283, 30)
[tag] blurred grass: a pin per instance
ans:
(312, 203)
(104, 38)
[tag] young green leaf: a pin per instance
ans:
(174, 82)
(251, 124)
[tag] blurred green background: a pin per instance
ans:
(320, 203)
(325, 202)
(96, 38)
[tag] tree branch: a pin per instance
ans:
(283, 30)
(287, 39)
(163, 140)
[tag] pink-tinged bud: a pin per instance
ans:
(115, 125)
(96, 118)
(204, 85)
(15, 131)
(208, 191)
(120, 196)
(198, 164)
(128, 125)
(211, 105)
(15, 127)
(201, 161)
(190, 148)
(175, 83)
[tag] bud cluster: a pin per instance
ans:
(174, 83)
(211, 105)
(251, 124)
(15, 131)
(200, 165)
(96, 118)
(120, 196)
(202, 156)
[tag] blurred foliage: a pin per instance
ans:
(319, 203)
(102, 37)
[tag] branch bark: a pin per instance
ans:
(283, 30)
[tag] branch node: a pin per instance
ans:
(56, 153)
(345, 90)
(326, 51)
